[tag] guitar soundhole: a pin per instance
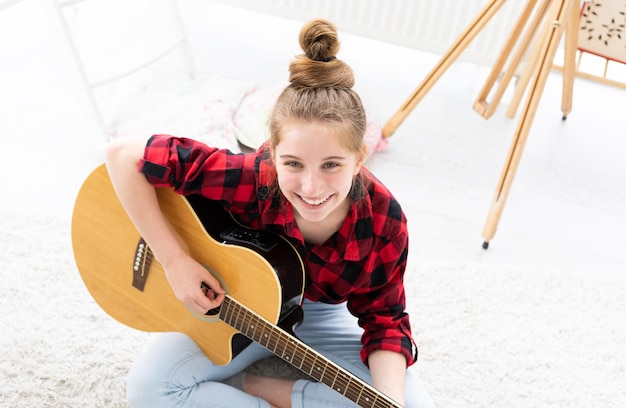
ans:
(212, 312)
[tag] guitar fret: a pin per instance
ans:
(245, 322)
(262, 337)
(289, 352)
(275, 340)
(235, 317)
(279, 348)
(358, 398)
(224, 312)
(288, 347)
(318, 371)
(301, 356)
(333, 373)
(370, 399)
(307, 365)
(341, 384)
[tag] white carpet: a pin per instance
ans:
(58, 348)
(507, 337)
(489, 336)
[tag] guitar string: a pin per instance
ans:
(335, 379)
(278, 340)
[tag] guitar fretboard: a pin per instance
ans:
(298, 354)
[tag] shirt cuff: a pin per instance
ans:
(154, 170)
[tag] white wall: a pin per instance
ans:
(431, 26)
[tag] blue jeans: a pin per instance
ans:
(173, 372)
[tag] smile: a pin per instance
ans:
(315, 202)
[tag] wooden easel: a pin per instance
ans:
(550, 19)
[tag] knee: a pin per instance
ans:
(141, 389)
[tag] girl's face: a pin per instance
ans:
(315, 172)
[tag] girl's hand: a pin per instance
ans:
(193, 284)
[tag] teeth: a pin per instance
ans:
(314, 202)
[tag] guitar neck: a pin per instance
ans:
(299, 355)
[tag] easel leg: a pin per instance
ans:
(569, 62)
(558, 17)
(482, 106)
(444, 63)
(530, 70)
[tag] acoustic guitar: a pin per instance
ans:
(262, 273)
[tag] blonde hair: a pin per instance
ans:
(320, 90)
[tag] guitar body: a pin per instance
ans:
(261, 271)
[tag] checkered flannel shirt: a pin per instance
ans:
(363, 263)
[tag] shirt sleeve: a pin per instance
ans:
(381, 312)
(191, 167)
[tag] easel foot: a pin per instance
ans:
(565, 113)
(485, 244)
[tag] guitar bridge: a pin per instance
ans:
(141, 264)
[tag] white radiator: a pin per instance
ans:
(431, 26)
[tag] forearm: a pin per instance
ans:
(388, 371)
(139, 199)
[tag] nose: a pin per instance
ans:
(311, 183)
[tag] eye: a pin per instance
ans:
(293, 164)
(330, 165)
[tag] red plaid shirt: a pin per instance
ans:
(363, 263)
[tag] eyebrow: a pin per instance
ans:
(290, 156)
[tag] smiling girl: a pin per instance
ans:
(308, 184)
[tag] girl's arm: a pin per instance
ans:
(388, 370)
(139, 199)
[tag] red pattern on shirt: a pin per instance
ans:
(363, 263)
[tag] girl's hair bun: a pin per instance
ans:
(319, 66)
(318, 40)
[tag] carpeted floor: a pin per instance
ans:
(59, 349)
(489, 336)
